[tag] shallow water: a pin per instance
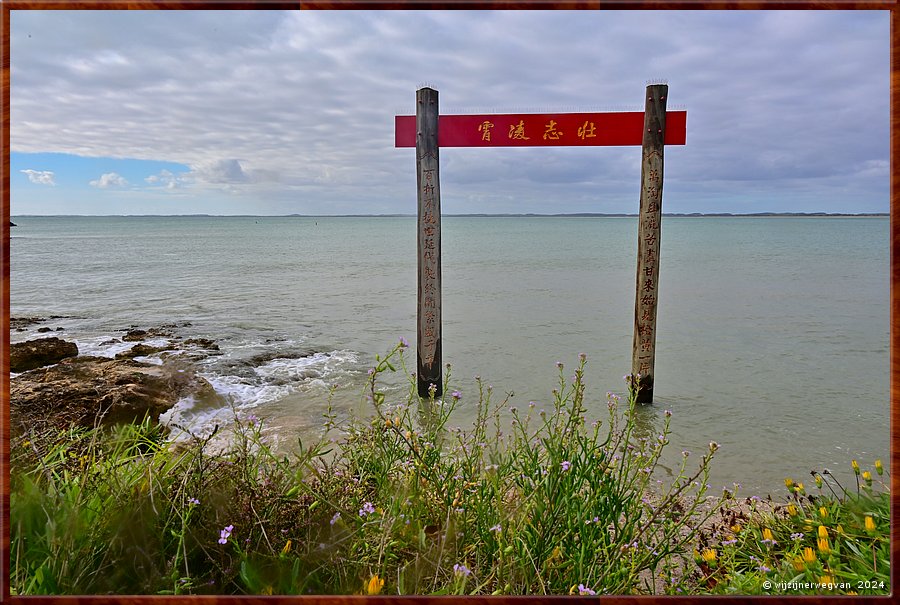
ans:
(772, 332)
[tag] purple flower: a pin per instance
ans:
(367, 509)
(668, 413)
(403, 343)
(461, 570)
(559, 364)
(224, 535)
(456, 395)
(193, 501)
(798, 536)
(584, 590)
(764, 569)
(335, 518)
(565, 465)
(496, 528)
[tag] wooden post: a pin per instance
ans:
(643, 355)
(428, 366)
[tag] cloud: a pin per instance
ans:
(41, 177)
(165, 178)
(303, 101)
(110, 179)
(219, 172)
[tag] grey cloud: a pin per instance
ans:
(306, 99)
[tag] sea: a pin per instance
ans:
(772, 331)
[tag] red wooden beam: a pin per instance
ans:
(542, 129)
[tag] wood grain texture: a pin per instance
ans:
(643, 351)
(428, 343)
(895, 297)
(4, 316)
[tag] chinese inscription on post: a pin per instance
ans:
(648, 269)
(430, 268)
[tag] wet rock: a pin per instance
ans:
(43, 330)
(85, 391)
(20, 323)
(140, 350)
(263, 358)
(24, 356)
(204, 343)
(111, 341)
(135, 335)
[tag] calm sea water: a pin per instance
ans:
(772, 332)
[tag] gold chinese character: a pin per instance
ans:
(586, 132)
(517, 131)
(485, 129)
(551, 132)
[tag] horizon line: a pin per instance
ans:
(465, 214)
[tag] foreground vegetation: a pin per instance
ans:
(542, 501)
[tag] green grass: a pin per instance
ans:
(537, 501)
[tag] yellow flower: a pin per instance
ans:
(823, 546)
(709, 555)
(697, 556)
(855, 466)
(375, 585)
(27, 443)
(819, 481)
(878, 468)
(826, 580)
(823, 511)
(792, 510)
(767, 535)
(870, 523)
(287, 548)
(798, 488)
(809, 556)
(797, 562)
(823, 531)
(388, 423)
(840, 529)
(736, 528)
(788, 482)
(266, 591)
(867, 476)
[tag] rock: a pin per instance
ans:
(135, 335)
(204, 343)
(43, 330)
(111, 341)
(140, 350)
(84, 391)
(20, 323)
(33, 354)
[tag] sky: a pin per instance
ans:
(272, 113)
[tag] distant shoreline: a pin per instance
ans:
(479, 215)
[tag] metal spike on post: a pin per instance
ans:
(428, 344)
(643, 356)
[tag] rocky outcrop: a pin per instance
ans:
(85, 391)
(33, 354)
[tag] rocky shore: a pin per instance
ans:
(54, 386)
